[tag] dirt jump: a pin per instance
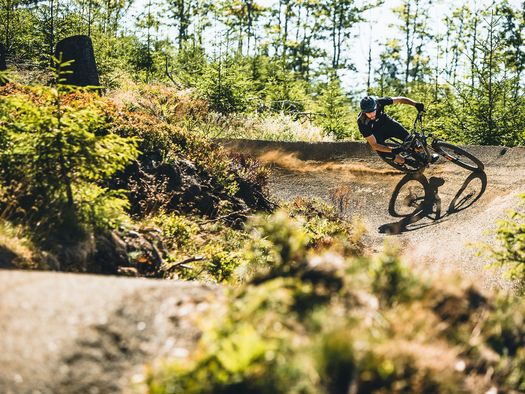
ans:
(73, 333)
(65, 333)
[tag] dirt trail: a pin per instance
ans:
(438, 218)
(72, 333)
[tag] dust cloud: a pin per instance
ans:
(290, 161)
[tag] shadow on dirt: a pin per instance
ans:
(415, 198)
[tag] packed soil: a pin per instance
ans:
(73, 333)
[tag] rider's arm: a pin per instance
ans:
(377, 147)
(403, 100)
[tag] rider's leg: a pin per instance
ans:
(395, 129)
(399, 159)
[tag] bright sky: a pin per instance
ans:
(381, 27)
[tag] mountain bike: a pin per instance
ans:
(416, 150)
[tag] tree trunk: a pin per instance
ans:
(407, 41)
(474, 50)
(490, 78)
(3, 52)
(369, 64)
(7, 33)
(90, 17)
(51, 39)
(285, 33)
(3, 65)
(249, 25)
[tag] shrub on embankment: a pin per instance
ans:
(82, 173)
(326, 321)
(509, 253)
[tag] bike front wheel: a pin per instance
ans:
(458, 156)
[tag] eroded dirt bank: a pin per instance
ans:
(439, 218)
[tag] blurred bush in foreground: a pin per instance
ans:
(309, 321)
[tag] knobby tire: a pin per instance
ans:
(458, 156)
(400, 167)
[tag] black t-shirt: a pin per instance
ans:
(376, 127)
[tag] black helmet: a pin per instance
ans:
(368, 104)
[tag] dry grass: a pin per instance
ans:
(268, 127)
(184, 109)
(167, 104)
(283, 127)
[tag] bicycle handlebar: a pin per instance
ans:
(419, 118)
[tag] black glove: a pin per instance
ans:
(397, 150)
(420, 107)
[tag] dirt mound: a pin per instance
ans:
(179, 185)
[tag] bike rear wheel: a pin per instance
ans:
(458, 156)
(411, 166)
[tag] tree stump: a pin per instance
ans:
(84, 68)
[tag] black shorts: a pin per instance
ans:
(391, 129)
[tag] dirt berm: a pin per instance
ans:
(439, 218)
(66, 333)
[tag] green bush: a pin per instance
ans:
(511, 251)
(323, 226)
(392, 281)
(177, 230)
(276, 244)
(225, 86)
(336, 361)
(337, 119)
(220, 263)
(286, 330)
(56, 153)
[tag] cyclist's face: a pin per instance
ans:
(371, 115)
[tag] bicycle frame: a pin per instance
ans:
(418, 154)
(419, 137)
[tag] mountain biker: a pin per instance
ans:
(376, 126)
